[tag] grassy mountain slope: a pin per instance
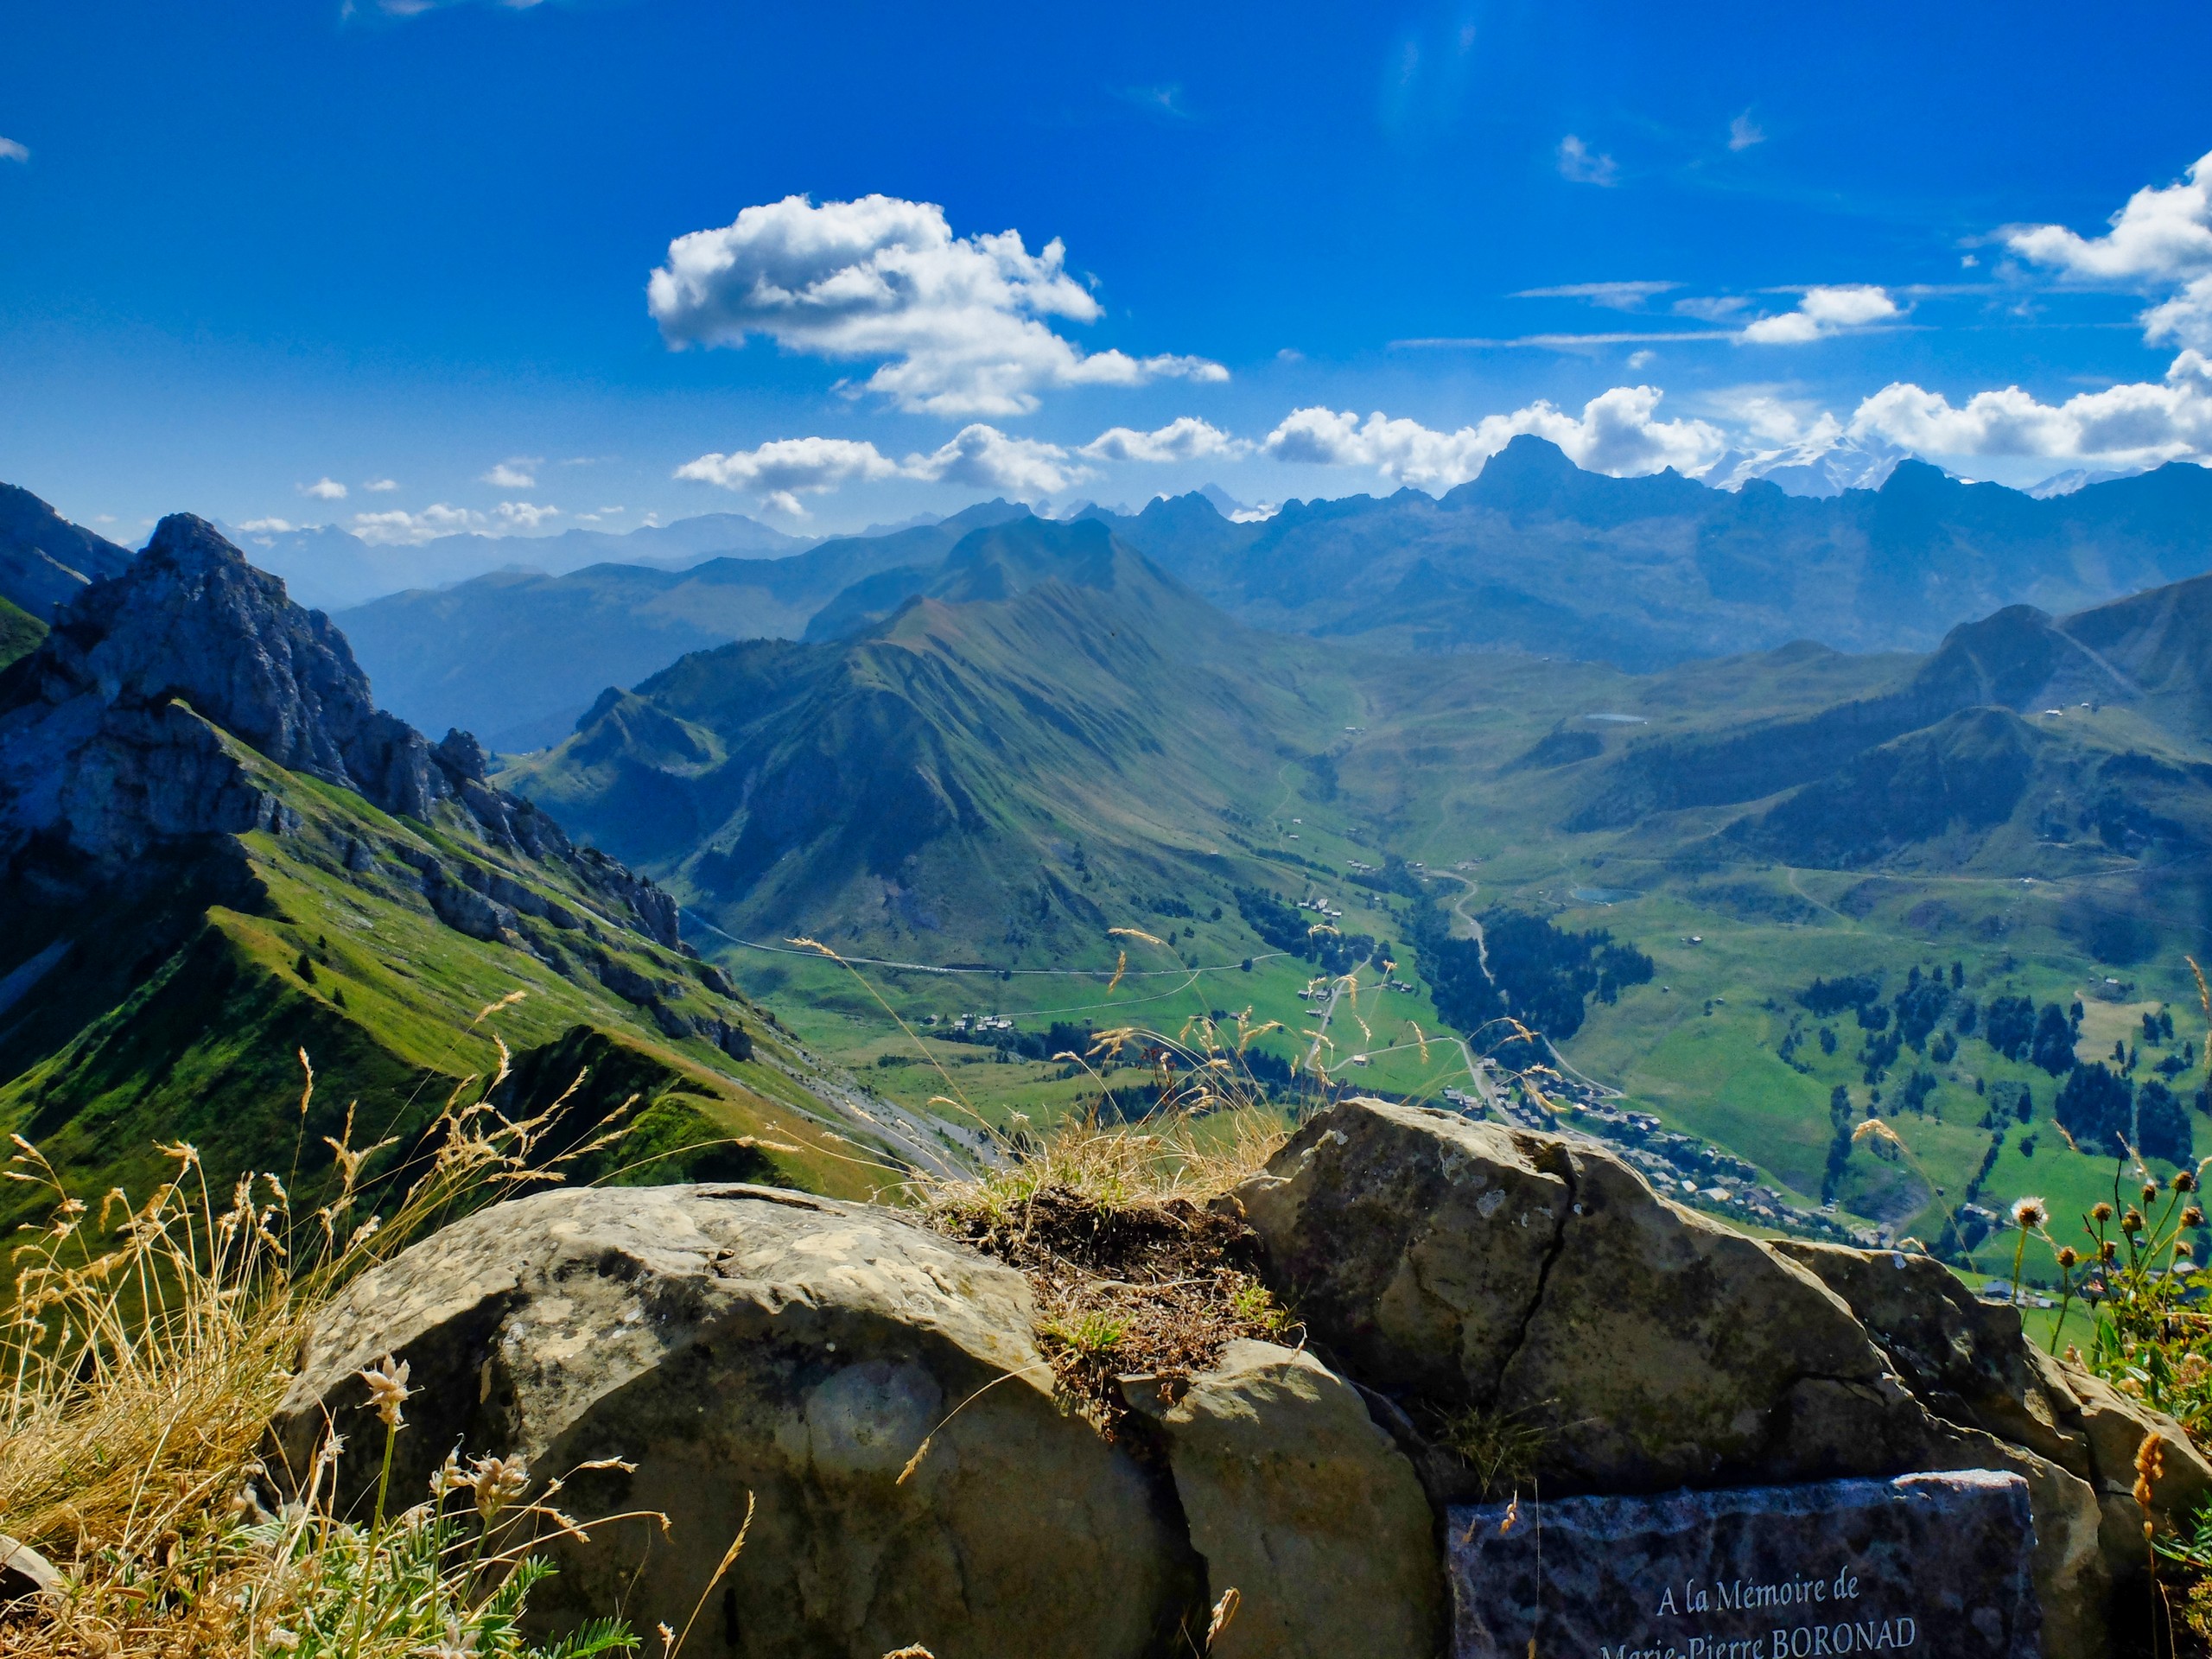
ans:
(1007, 767)
(919, 791)
(20, 632)
(517, 656)
(181, 917)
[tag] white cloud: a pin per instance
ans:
(978, 456)
(1615, 432)
(1582, 165)
(1639, 359)
(2162, 239)
(524, 515)
(437, 519)
(2185, 320)
(2139, 424)
(2163, 235)
(1823, 312)
(1710, 308)
(516, 473)
(324, 489)
(957, 324)
(793, 467)
(1744, 132)
(12, 152)
(987, 458)
(261, 526)
(1186, 438)
(380, 484)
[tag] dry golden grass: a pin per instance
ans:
(1139, 1261)
(146, 1348)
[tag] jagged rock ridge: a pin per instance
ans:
(118, 735)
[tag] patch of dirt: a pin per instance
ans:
(1153, 1289)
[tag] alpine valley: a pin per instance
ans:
(1747, 816)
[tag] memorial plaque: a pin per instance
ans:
(1923, 1565)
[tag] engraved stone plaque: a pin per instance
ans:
(1923, 1565)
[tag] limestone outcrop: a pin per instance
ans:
(1470, 1272)
(877, 1388)
(1299, 1502)
(125, 733)
(880, 1390)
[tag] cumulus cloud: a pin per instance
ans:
(2140, 424)
(1615, 432)
(1822, 312)
(2163, 235)
(439, 518)
(323, 489)
(1186, 438)
(2161, 239)
(956, 325)
(790, 467)
(978, 456)
(1582, 165)
(380, 484)
(516, 473)
(986, 458)
(524, 515)
(268, 526)
(12, 152)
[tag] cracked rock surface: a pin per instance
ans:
(1458, 1269)
(1299, 1502)
(732, 1340)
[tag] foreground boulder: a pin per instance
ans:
(1486, 1279)
(731, 1339)
(1303, 1506)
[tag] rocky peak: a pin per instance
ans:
(117, 735)
(190, 618)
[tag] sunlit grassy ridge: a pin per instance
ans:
(167, 1021)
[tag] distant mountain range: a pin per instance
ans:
(1535, 555)
(518, 657)
(45, 559)
(1009, 761)
(1047, 729)
(328, 568)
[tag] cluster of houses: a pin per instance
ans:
(1685, 1168)
(971, 1024)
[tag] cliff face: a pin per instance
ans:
(120, 734)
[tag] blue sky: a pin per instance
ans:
(250, 255)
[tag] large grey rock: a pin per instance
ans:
(732, 1339)
(1968, 1362)
(1462, 1268)
(1474, 1267)
(1302, 1505)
